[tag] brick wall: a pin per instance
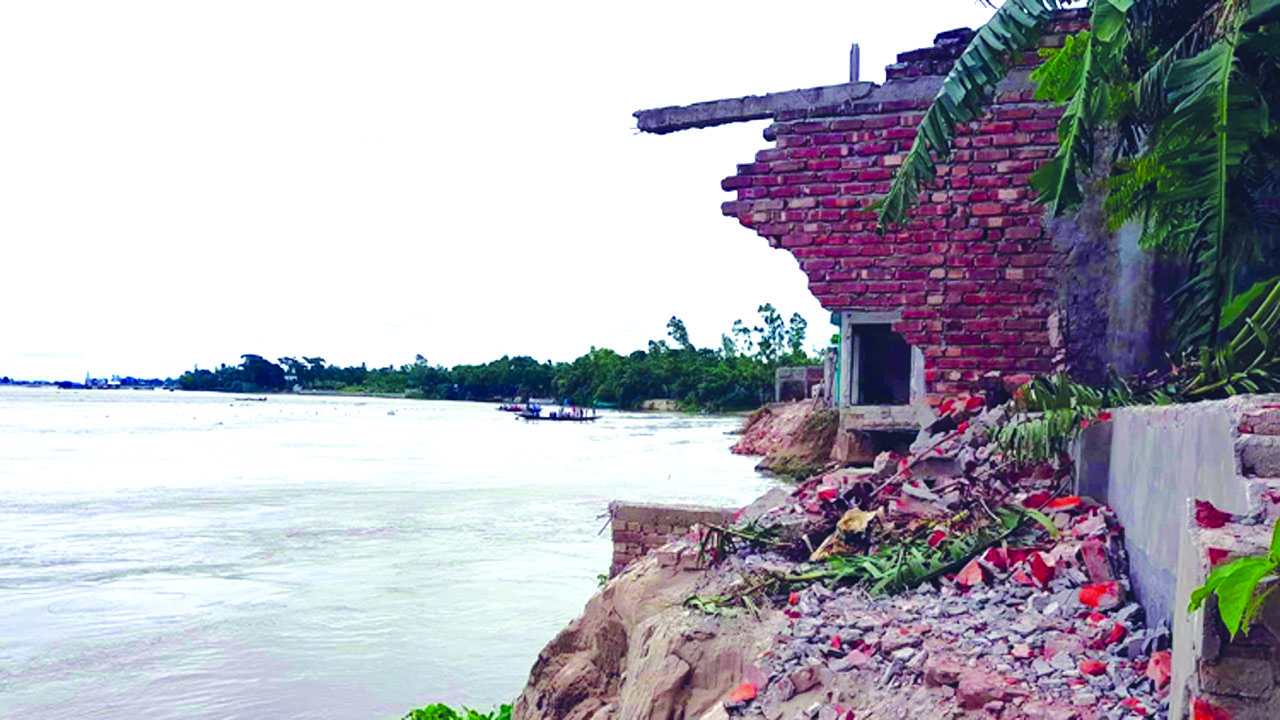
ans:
(638, 529)
(1220, 677)
(974, 271)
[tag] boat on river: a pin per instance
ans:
(554, 417)
(512, 408)
(573, 414)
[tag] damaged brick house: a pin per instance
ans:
(980, 282)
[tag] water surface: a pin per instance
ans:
(192, 555)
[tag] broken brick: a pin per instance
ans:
(743, 693)
(1210, 517)
(1102, 595)
(971, 574)
(1160, 668)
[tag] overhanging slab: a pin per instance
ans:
(752, 107)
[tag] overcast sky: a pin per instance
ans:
(183, 182)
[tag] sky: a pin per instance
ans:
(184, 182)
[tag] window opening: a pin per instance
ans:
(881, 366)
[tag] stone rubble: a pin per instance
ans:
(1055, 644)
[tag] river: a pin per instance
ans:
(196, 555)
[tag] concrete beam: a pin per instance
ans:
(752, 107)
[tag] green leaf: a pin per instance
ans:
(1255, 606)
(1211, 584)
(1262, 12)
(1242, 301)
(1043, 520)
(1275, 543)
(1237, 590)
(1107, 20)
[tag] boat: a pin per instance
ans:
(553, 417)
(534, 412)
(511, 408)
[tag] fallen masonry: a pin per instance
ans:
(1006, 646)
(951, 581)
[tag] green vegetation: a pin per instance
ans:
(440, 711)
(1236, 586)
(1166, 119)
(738, 375)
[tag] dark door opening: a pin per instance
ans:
(883, 370)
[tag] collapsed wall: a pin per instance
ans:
(638, 529)
(979, 280)
(1038, 631)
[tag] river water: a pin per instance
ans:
(192, 555)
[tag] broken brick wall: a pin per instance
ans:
(1215, 675)
(983, 282)
(638, 529)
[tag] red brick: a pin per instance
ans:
(874, 148)
(1023, 232)
(1029, 260)
(1015, 166)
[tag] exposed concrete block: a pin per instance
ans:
(668, 556)
(853, 447)
(1260, 422)
(1238, 676)
(1147, 466)
(1259, 455)
(905, 418)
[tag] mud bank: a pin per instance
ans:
(795, 439)
(636, 652)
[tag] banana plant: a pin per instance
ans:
(1186, 85)
(1014, 28)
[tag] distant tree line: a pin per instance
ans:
(737, 375)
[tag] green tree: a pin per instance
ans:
(262, 372)
(677, 331)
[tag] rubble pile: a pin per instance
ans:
(1023, 632)
(945, 488)
(1031, 620)
(956, 581)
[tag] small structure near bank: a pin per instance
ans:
(796, 383)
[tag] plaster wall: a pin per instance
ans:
(1147, 464)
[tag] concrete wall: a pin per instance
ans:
(1152, 465)
(1146, 463)
(796, 383)
(638, 529)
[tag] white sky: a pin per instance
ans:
(182, 182)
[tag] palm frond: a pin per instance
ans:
(1014, 28)
(1215, 117)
